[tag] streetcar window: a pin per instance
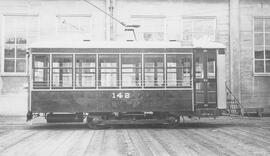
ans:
(131, 70)
(211, 64)
(62, 71)
(154, 70)
(212, 88)
(85, 70)
(41, 71)
(108, 70)
(199, 71)
(179, 70)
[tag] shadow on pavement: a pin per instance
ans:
(82, 126)
(19, 122)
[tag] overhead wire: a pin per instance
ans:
(122, 23)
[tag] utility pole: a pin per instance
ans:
(235, 55)
(111, 31)
(111, 10)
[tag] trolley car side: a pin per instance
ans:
(141, 81)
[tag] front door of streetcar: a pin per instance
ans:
(205, 81)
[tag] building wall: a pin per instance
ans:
(173, 11)
(13, 93)
(13, 87)
(252, 90)
(255, 92)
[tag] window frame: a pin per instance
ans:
(140, 73)
(264, 59)
(89, 68)
(155, 72)
(69, 68)
(192, 18)
(74, 32)
(32, 74)
(119, 73)
(150, 17)
(99, 68)
(4, 16)
(178, 67)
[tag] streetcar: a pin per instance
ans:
(108, 82)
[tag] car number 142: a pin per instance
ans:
(120, 95)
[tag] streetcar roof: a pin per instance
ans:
(125, 44)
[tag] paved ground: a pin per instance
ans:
(223, 136)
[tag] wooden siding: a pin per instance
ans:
(103, 101)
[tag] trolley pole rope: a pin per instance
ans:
(122, 23)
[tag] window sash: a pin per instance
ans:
(108, 76)
(152, 28)
(62, 78)
(85, 71)
(179, 70)
(85, 79)
(20, 30)
(261, 45)
(41, 80)
(154, 75)
(131, 70)
(74, 24)
(192, 31)
(134, 74)
(41, 71)
(62, 71)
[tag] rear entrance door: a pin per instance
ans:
(205, 81)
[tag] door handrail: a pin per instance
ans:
(235, 99)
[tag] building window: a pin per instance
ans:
(262, 45)
(19, 31)
(74, 24)
(199, 29)
(154, 70)
(62, 69)
(151, 27)
(179, 70)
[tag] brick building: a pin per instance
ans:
(243, 26)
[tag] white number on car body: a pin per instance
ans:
(121, 95)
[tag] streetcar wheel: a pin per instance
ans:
(91, 125)
(92, 122)
(173, 122)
